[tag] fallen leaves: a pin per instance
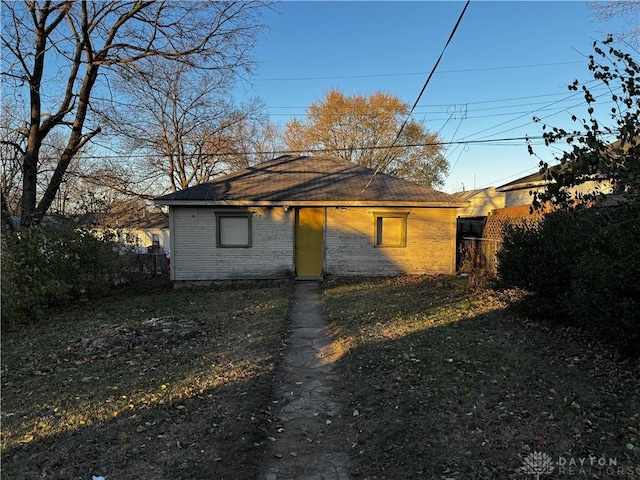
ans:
(165, 369)
(474, 390)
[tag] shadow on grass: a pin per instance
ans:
(442, 382)
(163, 385)
(202, 437)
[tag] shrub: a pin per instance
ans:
(604, 290)
(42, 267)
(582, 267)
(539, 257)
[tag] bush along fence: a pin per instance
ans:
(43, 266)
(582, 267)
(479, 254)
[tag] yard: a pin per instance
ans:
(444, 382)
(439, 381)
(149, 384)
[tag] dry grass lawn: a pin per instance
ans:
(148, 384)
(442, 381)
(439, 381)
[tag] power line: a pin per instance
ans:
(452, 116)
(379, 75)
(384, 161)
(569, 97)
(526, 97)
(496, 141)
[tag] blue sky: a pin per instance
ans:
(508, 61)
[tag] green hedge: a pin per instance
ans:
(42, 267)
(582, 267)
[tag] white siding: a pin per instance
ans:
(481, 202)
(430, 249)
(520, 197)
(523, 196)
(194, 255)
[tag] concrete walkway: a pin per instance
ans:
(309, 440)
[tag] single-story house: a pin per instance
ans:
(307, 217)
(149, 233)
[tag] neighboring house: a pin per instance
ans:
(147, 234)
(144, 233)
(309, 217)
(481, 201)
(520, 191)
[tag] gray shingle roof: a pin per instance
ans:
(305, 180)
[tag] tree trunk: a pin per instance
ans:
(29, 186)
(6, 214)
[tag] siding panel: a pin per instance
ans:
(194, 254)
(430, 245)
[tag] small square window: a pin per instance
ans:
(233, 230)
(390, 229)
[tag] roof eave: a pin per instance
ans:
(310, 203)
(520, 186)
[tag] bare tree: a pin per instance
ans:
(57, 55)
(181, 122)
(12, 145)
(252, 140)
(627, 9)
(13, 140)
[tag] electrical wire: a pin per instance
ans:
(492, 141)
(455, 28)
(380, 75)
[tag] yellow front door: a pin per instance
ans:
(309, 242)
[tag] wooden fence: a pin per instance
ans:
(478, 255)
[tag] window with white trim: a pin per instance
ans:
(390, 229)
(233, 230)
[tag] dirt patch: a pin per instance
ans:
(150, 334)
